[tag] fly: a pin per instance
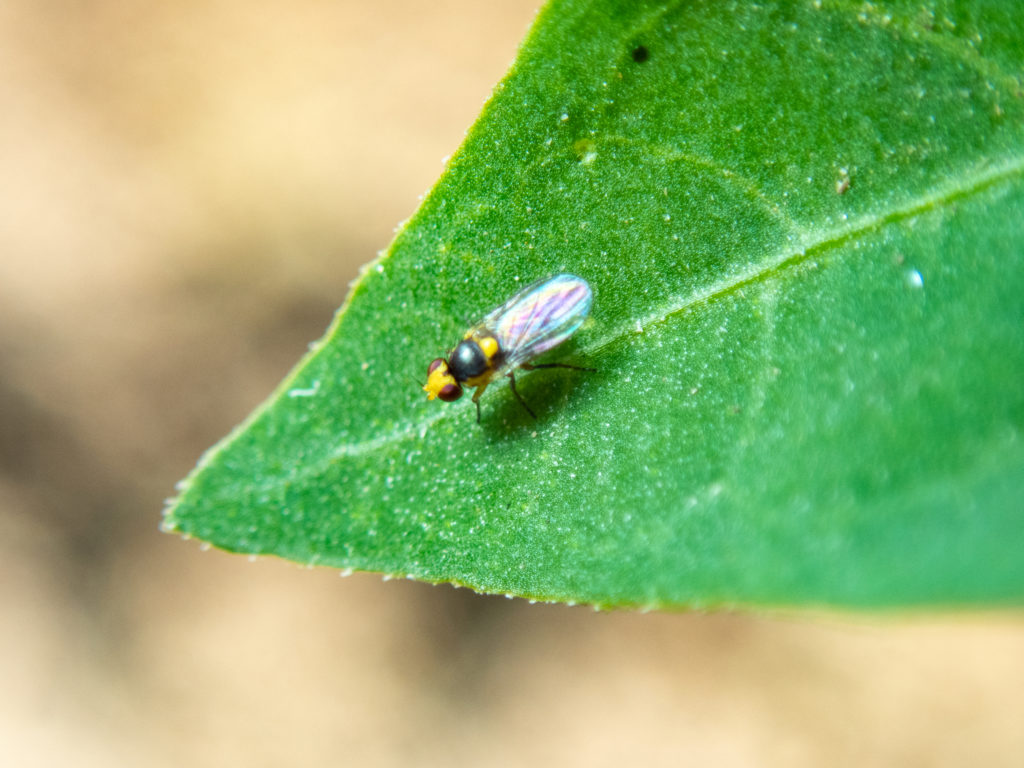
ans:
(538, 318)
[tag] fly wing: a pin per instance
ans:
(539, 317)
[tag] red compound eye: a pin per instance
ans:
(450, 392)
(433, 366)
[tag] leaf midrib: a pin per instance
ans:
(814, 245)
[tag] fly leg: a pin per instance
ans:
(476, 400)
(512, 380)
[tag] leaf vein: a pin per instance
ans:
(955, 46)
(815, 244)
(747, 185)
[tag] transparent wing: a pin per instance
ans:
(539, 317)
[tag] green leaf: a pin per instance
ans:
(804, 226)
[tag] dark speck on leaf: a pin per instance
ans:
(641, 54)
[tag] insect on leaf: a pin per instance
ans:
(803, 223)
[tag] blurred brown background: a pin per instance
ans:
(186, 190)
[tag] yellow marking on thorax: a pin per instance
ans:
(489, 346)
(483, 378)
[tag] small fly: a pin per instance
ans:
(538, 318)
